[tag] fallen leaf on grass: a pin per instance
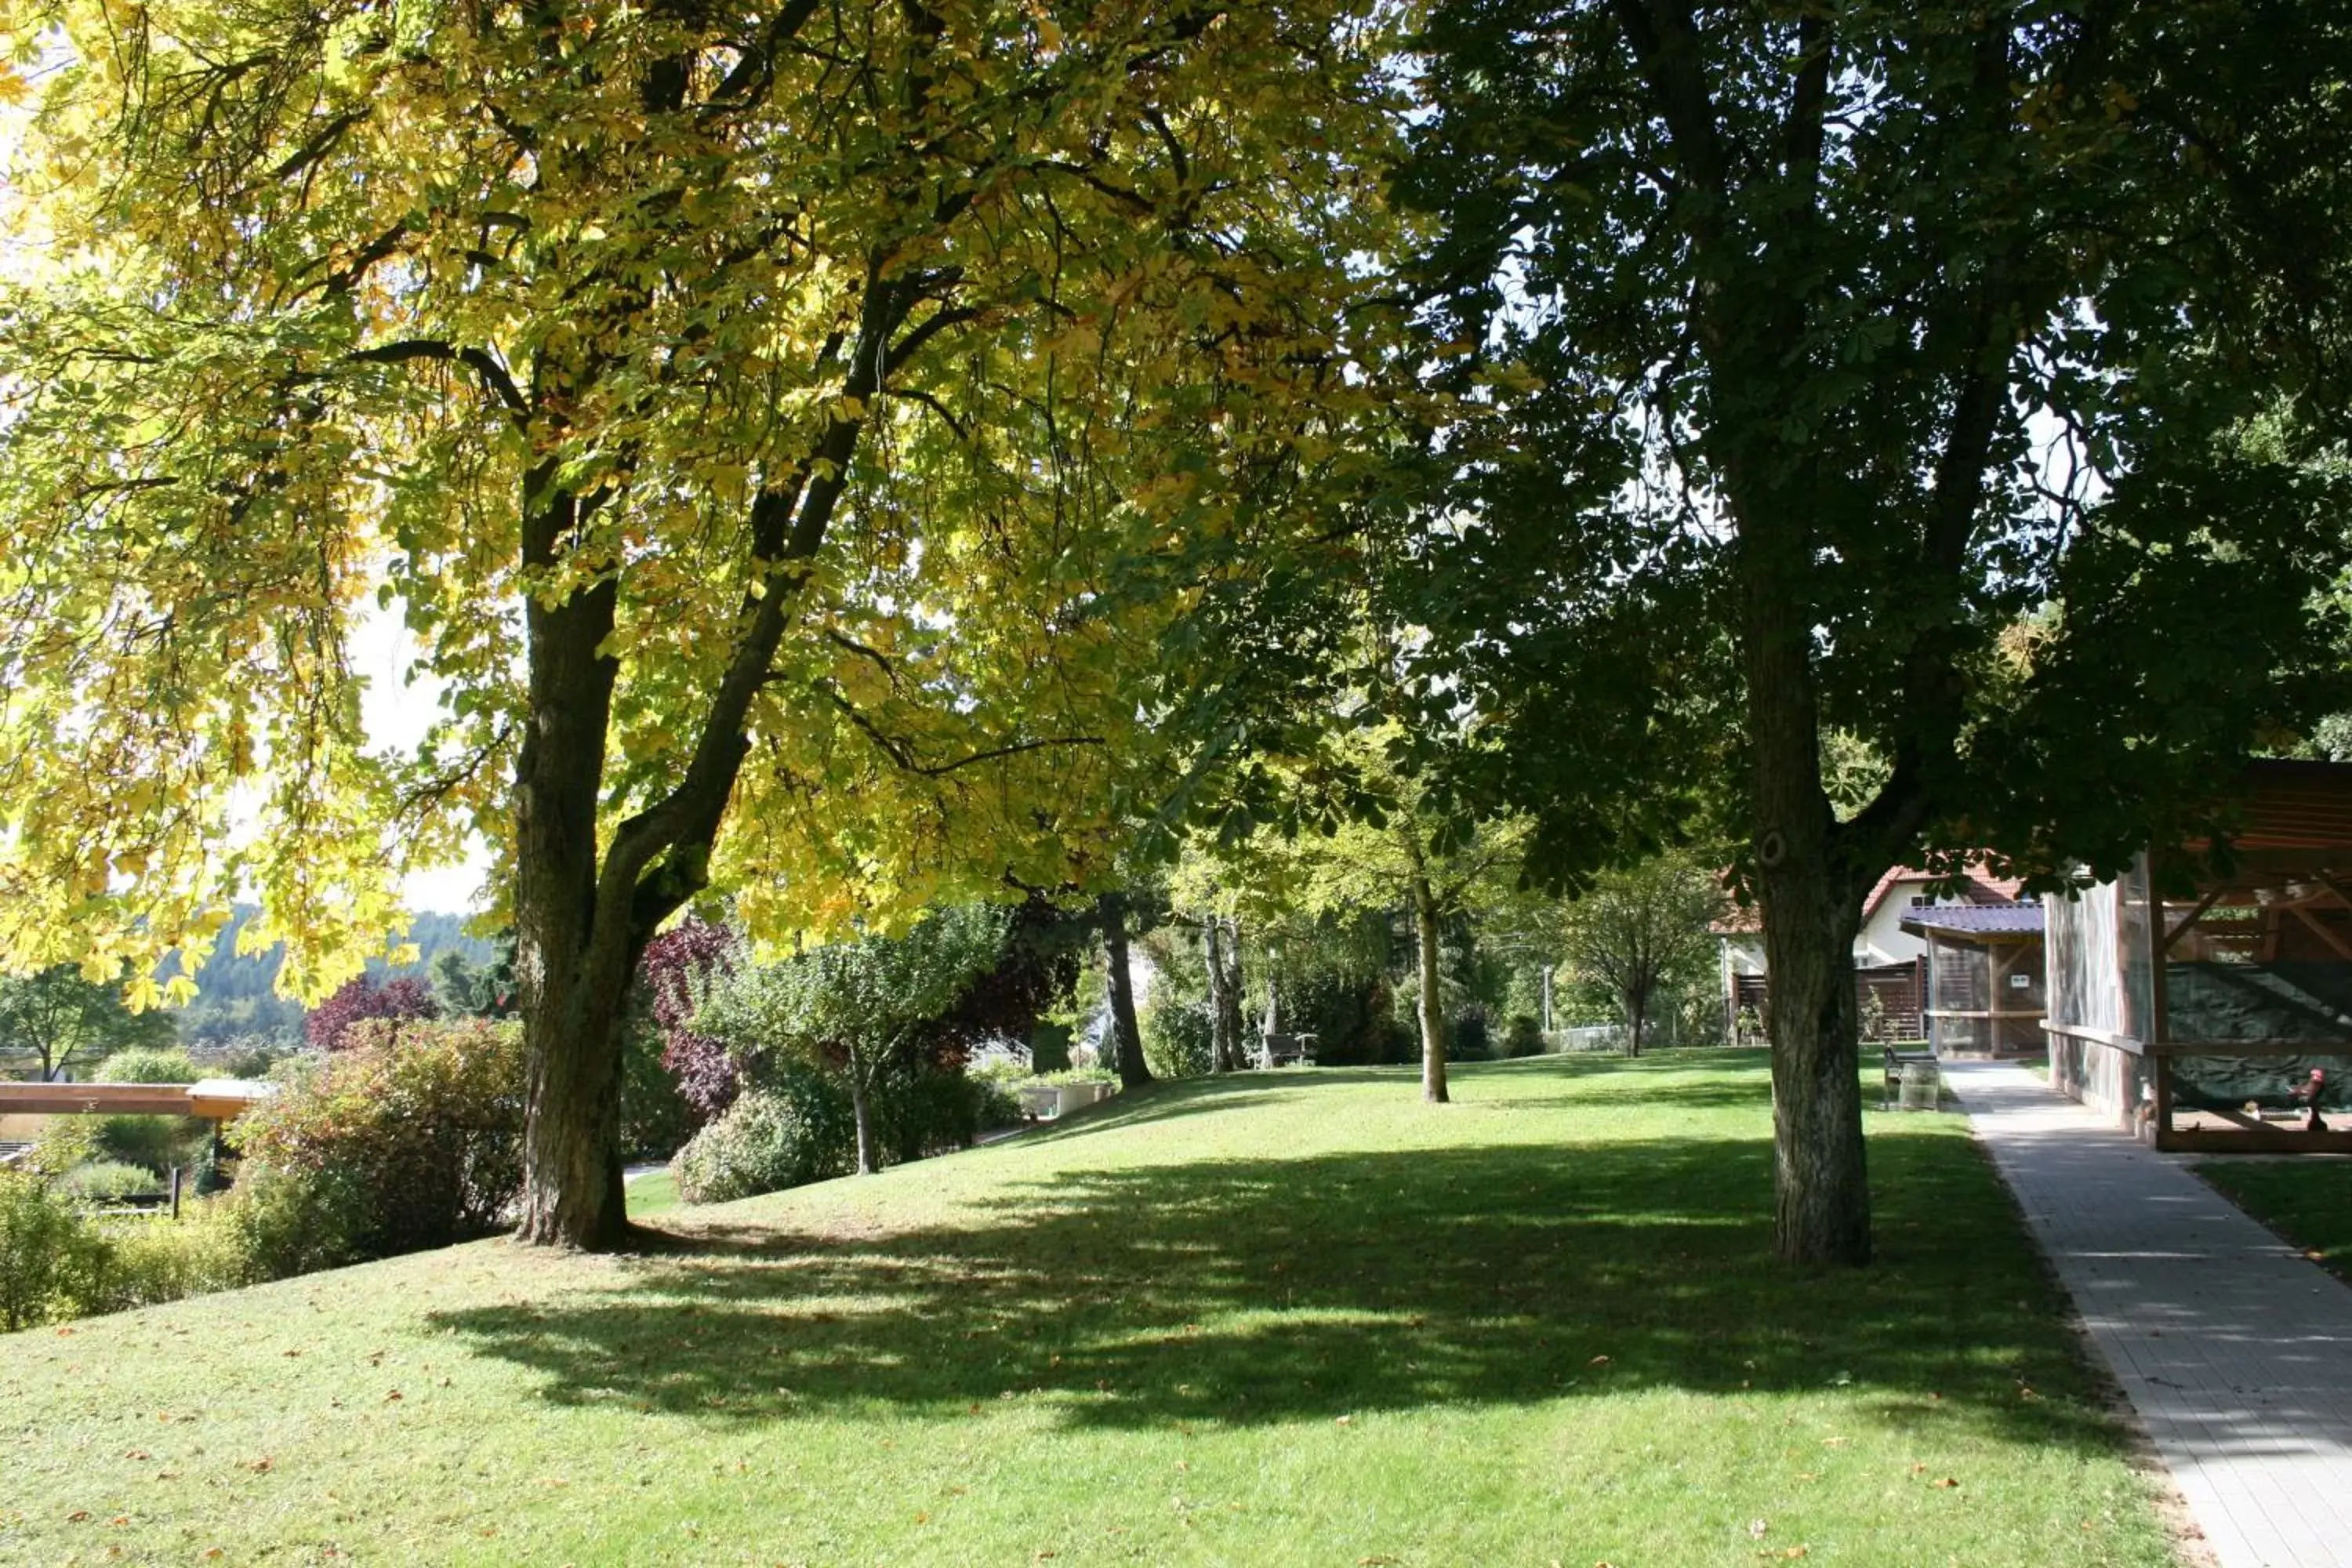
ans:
(1757, 1527)
(1373, 1562)
(1947, 1482)
(78, 1516)
(1598, 1361)
(138, 1454)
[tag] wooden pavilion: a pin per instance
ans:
(1985, 994)
(2194, 1004)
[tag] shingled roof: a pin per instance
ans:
(1975, 920)
(1981, 888)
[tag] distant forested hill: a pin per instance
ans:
(234, 996)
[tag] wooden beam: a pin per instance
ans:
(2322, 932)
(216, 1100)
(2107, 1037)
(2190, 919)
(93, 1100)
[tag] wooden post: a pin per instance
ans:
(2159, 1027)
(175, 1191)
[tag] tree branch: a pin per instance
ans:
(479, 361)
(899, 752)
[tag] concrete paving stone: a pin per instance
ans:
(2235, 1350)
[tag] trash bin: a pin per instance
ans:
(1922, 1086)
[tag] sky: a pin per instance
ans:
(396, 714)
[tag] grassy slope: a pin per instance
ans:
(1297, 1319)
(2308, 1202)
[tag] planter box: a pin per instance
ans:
(1073, 1096)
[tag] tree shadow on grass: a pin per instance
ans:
(1269, 1290)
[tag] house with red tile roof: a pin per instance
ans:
(1888, 961)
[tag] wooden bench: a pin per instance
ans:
(1284, 1050)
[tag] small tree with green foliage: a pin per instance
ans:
(1638, 931)
(860, 1007)
(58, 1016)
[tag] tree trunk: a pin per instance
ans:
(573, 975)
(1273, 1025)
(1821, 1192)
(1231, 991)
(1126, 1037)
(1220, 1044)
(1635, 1019)
(1811, 902)
(861, 1106)
(1432, 1012)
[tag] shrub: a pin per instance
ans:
(157, 1143)
(149, 1065)
(794, 1128)
(283, 1224)
(923, 1111)
(1176, 1039)
(106, 1182)
(57, 1261)
(995, 1103)
(1465, 1037)
(656, 1117)
(410, 1136)
(331, 1023)
(677, 974)
(140, 1262)
(1523, 1037)
(48, 1251)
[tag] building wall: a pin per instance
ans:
(1882, 938)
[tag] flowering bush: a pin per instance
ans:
(331, 1021)
(411, 1132)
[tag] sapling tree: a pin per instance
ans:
(862, 1006)
(59, 1016)
(1638, 929)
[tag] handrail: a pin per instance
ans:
(2124, 1043)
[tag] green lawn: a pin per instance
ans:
(1293, 1318)
(2308, 1202)
(655, 1192)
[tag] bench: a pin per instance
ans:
(1284, 1050)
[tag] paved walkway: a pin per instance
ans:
(2235, 1349)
